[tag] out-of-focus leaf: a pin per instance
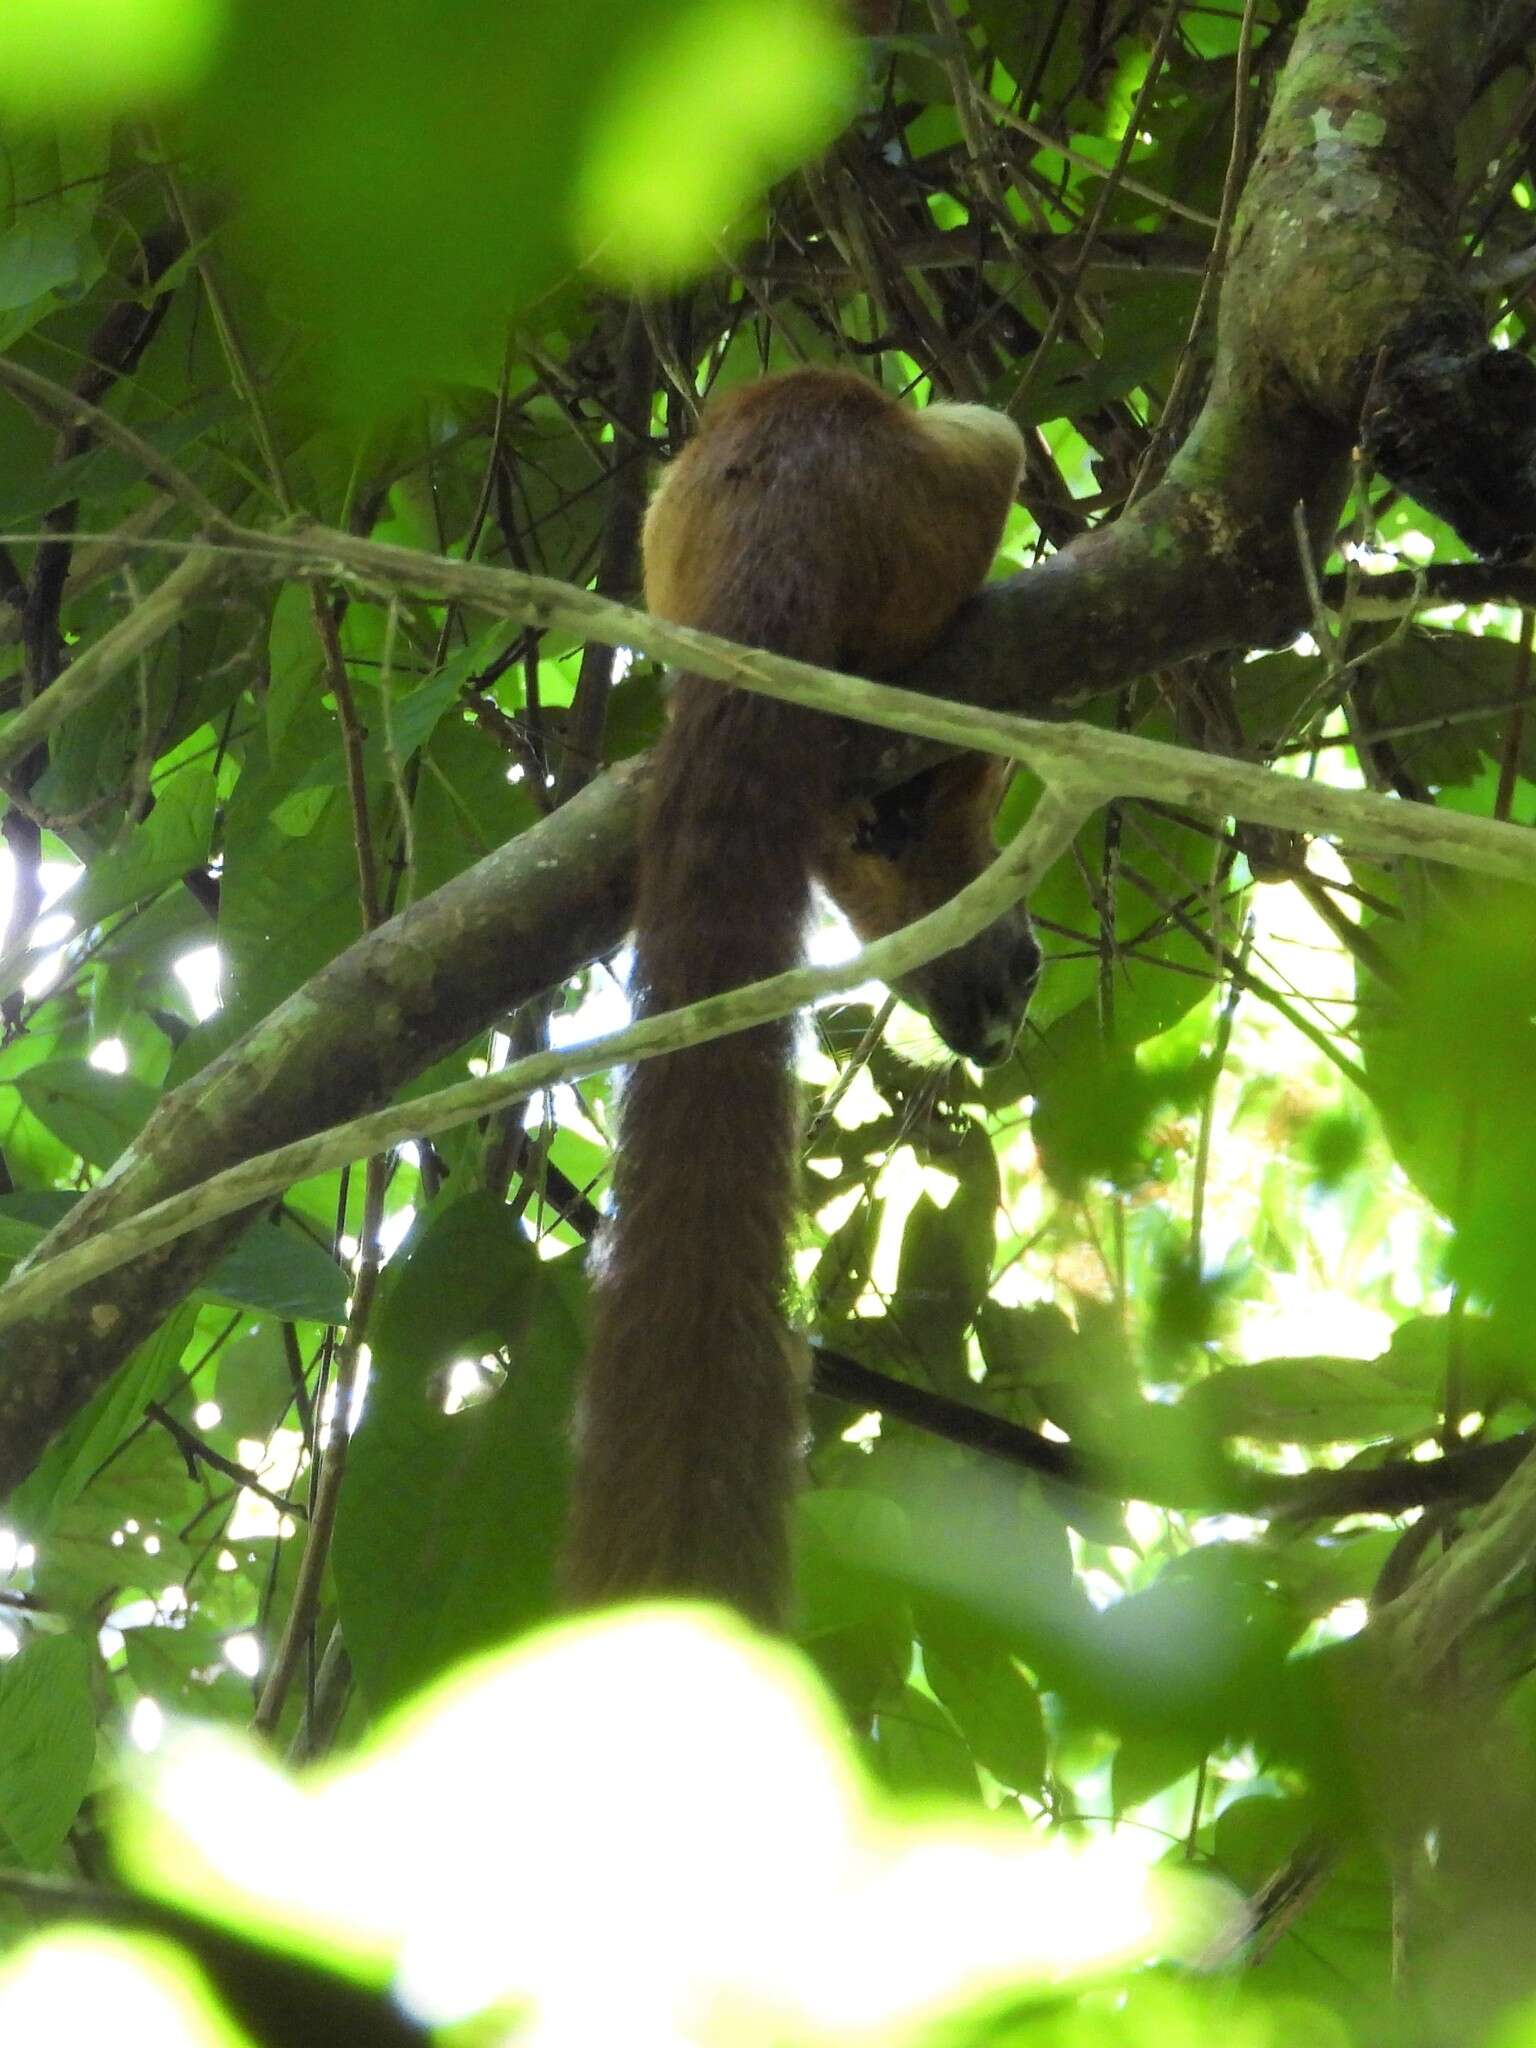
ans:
(1450, 1050)
(94, 57)
(1320, 1400)
(385, 195)
(1147, 1762)
(916, 1747)
(726, 98)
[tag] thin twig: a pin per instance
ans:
(200, 1452)
(57, 402)
(94, 667)
(1015, 871)
(317, 1547)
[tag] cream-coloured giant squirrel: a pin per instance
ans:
(814, 516)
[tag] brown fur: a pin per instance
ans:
(813, 516)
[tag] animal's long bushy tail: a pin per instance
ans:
(691, 1418)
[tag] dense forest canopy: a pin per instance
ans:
(1173, 1384)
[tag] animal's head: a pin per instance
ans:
(889, 859)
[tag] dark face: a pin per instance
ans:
(976, 997)
(897, 856)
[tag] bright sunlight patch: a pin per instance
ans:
(726, 1875)
(82, 1985)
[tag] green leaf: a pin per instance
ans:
(279, 1267)
(946, 1260)
(288, 903)
(254, 1384)
(91, 1553)
(996, 1708)
(47, 200)
(105, 56)
(174, 838)
(853, 1615)
(1450, 1052)
(374, 219)
(721, 100)
(916, 1748)
(1148, 325)
(92, 1112)
(184, 1669)
(294, 661)
(95, 1433)
(1339, 1948)
(842, 1271)
(1321, 1400)
(106, 472)
(1433, 680)
(454, 1519)
(1162, 968)
(1197, 1656)
(47, 1745)
(1147, 1762)
(26, 1218)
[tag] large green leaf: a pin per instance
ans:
(174, 838)
(73, 1458)
(48, 195)
(93, 1112)
(279, 1267)
(1450, 1052)
(1338, 1949)
(374, 217)
(47, 1745)
(946, 1261)
(994, 1705)
(916, 1748)
(1321, 1400)
(453, 1520)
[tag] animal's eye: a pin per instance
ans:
(891, 823)
(866, 831)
